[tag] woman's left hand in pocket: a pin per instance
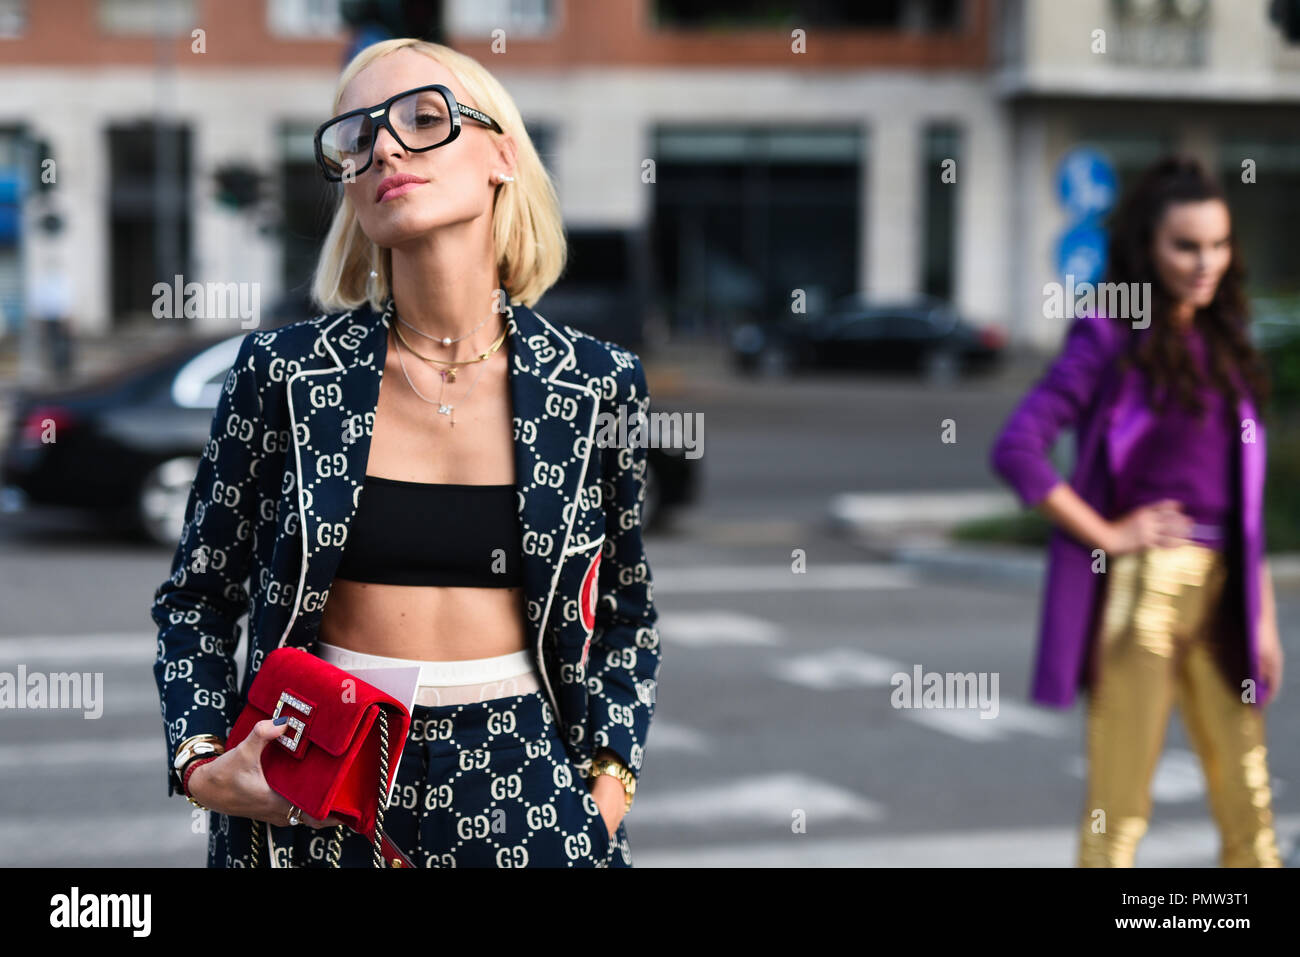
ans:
(611, 799)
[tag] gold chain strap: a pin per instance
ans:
(335, 849)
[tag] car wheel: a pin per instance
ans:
(940, 367)
(163, 496)
(650, 504)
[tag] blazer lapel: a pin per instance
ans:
(554, 421)
(331, 414)
(331, 411)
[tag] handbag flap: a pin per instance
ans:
(329, 702)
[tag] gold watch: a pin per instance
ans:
(617, 769)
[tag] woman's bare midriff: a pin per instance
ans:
(425, 622)
(413, 443)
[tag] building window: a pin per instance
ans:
(1159, 33)
(518, 18)
(149, 212)
(544, 140)
(304, 18)
(13, 18)
(1264, 212)
(173, 18)
(942, 162)
(749, 224)
(924, 16)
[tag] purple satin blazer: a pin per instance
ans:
(1107, 408)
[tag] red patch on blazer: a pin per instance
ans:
(587, 601)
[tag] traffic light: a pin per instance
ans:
(238, 187)
(395, 18)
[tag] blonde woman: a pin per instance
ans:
(417, 478)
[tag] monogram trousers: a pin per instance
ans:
(484, 784)
(1156, 651)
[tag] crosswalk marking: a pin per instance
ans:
(1012, 718)
(668, 736)
(701, 628)
(761, 799)
(836, 668)
(85, 649)
(71, 840)
(851, 576)
(81, 752)
(839, 668)
(1191, 844)
(1178, 776)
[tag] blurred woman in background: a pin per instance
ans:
(1157, 588)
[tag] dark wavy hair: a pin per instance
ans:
(1162, 357)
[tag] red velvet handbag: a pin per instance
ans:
(339, 751)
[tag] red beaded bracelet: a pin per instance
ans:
(185, 781)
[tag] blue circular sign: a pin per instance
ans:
(1086, 183)
(1081, 252)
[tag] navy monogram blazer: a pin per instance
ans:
(278, 483)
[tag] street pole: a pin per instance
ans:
(30, 373)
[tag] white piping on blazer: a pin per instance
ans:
(573, 513)
(297, 465)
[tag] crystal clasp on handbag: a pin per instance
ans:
(297, 724)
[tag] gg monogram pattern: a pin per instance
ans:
(278, 484)
(483, 785)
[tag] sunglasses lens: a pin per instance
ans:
(345, 145)
(422, 119)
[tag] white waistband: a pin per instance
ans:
(435, 673)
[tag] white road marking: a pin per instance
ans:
(1192, 844)
(837, 668)
(111, 751)
(166, 836)
(1011, 718)
(61, 841)
(1178, 778)
(710, 579)
(668, 736)
(763, 799)
(138, 646)
(705, 628)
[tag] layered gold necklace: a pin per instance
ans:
(449, 373)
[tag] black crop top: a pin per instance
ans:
(417, 533)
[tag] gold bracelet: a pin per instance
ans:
(193, 738)
(617, 769)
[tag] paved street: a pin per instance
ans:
(775, 696)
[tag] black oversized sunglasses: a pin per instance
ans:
(420, 119)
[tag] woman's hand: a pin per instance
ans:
(610, 798)
(1270, 644)
(1270, 657)
(234, 783)
(1160, 525)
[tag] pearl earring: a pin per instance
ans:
(503, 178)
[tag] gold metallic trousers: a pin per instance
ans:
(1155, 649)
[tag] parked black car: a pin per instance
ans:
(128, 444)
(925, 336)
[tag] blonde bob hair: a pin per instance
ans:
(527, 231)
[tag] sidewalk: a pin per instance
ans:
(912, 528)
